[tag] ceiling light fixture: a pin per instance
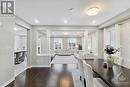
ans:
(65, 21)
(92, 11)
(16, 29)
(36, 21)
(94, 21)
(65, 33)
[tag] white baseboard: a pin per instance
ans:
(28, 67)
(8, 82)
(16, 74)
(40, 66)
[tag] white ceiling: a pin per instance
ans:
(54, 12)
(70, 33)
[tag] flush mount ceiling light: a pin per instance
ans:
(92, 11)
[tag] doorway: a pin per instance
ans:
(20, 49)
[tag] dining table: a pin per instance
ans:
(117, 76)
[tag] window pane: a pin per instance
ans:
(113, 38)
(57, 43)
(72, 43)
(42, 47)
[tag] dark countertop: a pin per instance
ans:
(118, 76)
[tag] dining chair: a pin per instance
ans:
(88, 75)
(81, 70)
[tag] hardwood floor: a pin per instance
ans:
(59, 75)
(11, 84)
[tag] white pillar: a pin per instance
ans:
(85, 45)
(48, 41)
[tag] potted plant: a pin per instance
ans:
(110, 51)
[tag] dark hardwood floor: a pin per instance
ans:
(11, 84)
(59, 75)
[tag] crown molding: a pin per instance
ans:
(117, 19)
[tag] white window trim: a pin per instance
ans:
(68, 42)
(61, 44)
(117, 29)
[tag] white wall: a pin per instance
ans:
(7, 36)
(100, 43)
(6, 50)
(36, 60)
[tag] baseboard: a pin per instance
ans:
(28, 67)
(8, 82)
(16, 74)
(40, 66)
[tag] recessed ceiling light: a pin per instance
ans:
(16, 29)
(94, 21)
(36, 21)
(77, 32)
(65, 21)
(92, 11)
(65, 33)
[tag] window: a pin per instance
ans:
(39, 46)
(112, 35)
(113, 38)
(90, 44)
(42, 43)
(93, 43)
(72, 43)
(57, 43)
